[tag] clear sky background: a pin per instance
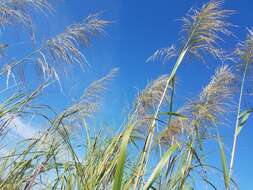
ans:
(139, 28)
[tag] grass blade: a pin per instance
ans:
(121, 160)
(156, 172)
(224, 165)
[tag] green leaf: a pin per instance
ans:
(243, 117)
(121, 160)
(224, 165)
(156, 172)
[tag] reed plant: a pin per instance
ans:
(70, 154)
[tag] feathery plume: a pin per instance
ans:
(212, 103)
(202, 28)
(48, 72)
(163, 54)
(244, 50)
(147, 101)
(64, 47)
(90, 100)
(219, 91)
(19, 11)
(172, 133)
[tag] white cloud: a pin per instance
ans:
(22, 128)
(18, 130)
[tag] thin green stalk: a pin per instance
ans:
(237, 120)
(149, 139)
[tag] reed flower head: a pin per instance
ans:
(14, 12)
(219, 90)
(68, 122)
(91, 98)
(172, 133)
(244, 55)
(202, 28)
(163, 54)
(204, 111)
(64, 47)
(244, 60)
(244, 50)
(147, 100)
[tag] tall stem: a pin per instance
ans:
(237, 120)
(149, 139)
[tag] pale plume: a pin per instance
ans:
(203, 28)
(204, 111)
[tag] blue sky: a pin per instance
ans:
(138, 29)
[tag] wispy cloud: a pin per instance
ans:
(23, 129)
(19, 129)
